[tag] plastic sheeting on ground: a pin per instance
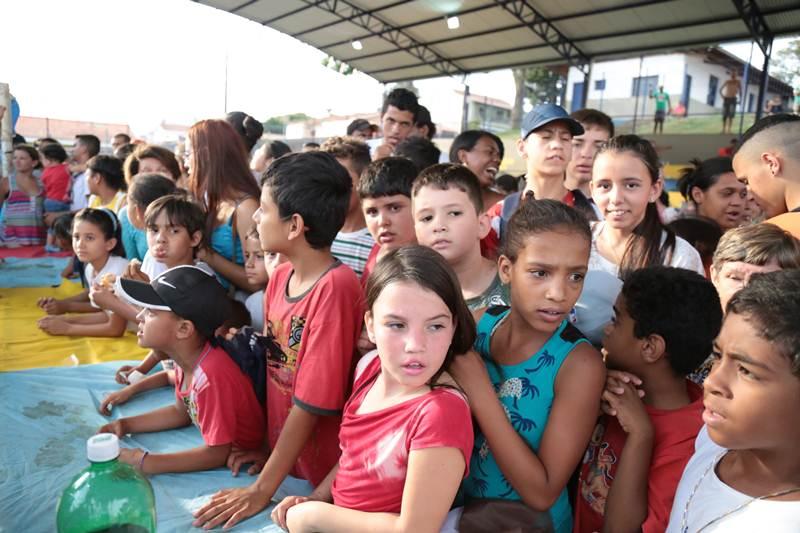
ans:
(23, 345)
(46, 415)
(34, 272)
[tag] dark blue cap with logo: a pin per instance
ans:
(544, 114)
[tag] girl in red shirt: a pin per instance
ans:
(406, 433)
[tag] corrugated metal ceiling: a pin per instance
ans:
(410, 39)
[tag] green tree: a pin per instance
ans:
(539, 84)
(275, 125)
(339, 66)
(786, 64)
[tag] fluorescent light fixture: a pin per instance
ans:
(357, 45)
(453, 23)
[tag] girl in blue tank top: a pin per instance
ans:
(533, 381)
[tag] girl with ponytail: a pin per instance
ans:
(625, 187)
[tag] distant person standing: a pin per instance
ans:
(730, 92)
(774, 105)
(662, 108)
(797, 101)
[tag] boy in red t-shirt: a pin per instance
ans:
(313, 307)
(56, 180)
(181, 309)
(385, 192)
(665, 321)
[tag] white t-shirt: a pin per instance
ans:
(154, 268)
(712, 499)
(594, 308)
(114, 265)
(151, 267)
(255, 306)
(80, 191)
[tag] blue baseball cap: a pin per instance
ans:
(545, 114)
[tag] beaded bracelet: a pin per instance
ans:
(141, 461)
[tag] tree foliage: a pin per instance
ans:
(339, 66)
(786, 66)
(538, 84)
(277, 125)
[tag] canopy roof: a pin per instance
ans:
(410, 39)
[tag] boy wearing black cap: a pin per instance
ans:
(181, 308)
(546, 146)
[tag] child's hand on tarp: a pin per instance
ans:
(115, 398)
(238, 458)
(54, 325)
(50, 305)
(117, 427)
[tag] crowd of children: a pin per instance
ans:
(436, 355)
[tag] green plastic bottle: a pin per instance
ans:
(109, 496)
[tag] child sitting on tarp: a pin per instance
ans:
(182, 308)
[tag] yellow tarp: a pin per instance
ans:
(23, 345)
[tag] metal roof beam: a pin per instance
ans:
(378, 27)
(754, 20)
(419, 22)
(663, 27)
(595, 37)
(545, 30)
(499, 3)
(349, 19)
(287, 14)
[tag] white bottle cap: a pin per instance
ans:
(102, 447)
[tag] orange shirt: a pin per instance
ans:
(788, 222)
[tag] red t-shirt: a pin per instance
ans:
(372, 260)
(317, 332)
(491, 243)
(375, 446)
(675, 433)
(56, 180)
(221, 401)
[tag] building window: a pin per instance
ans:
(644, 86)
(713, 84)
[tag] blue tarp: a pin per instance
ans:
(47, 414)
(32, 272)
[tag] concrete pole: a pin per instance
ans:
(5, 131)
(638, 90)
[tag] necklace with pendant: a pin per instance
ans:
(685, 517)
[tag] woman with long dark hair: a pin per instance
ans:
(219, 178)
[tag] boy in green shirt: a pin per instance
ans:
(662, 109)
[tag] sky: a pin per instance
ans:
(143, 61)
